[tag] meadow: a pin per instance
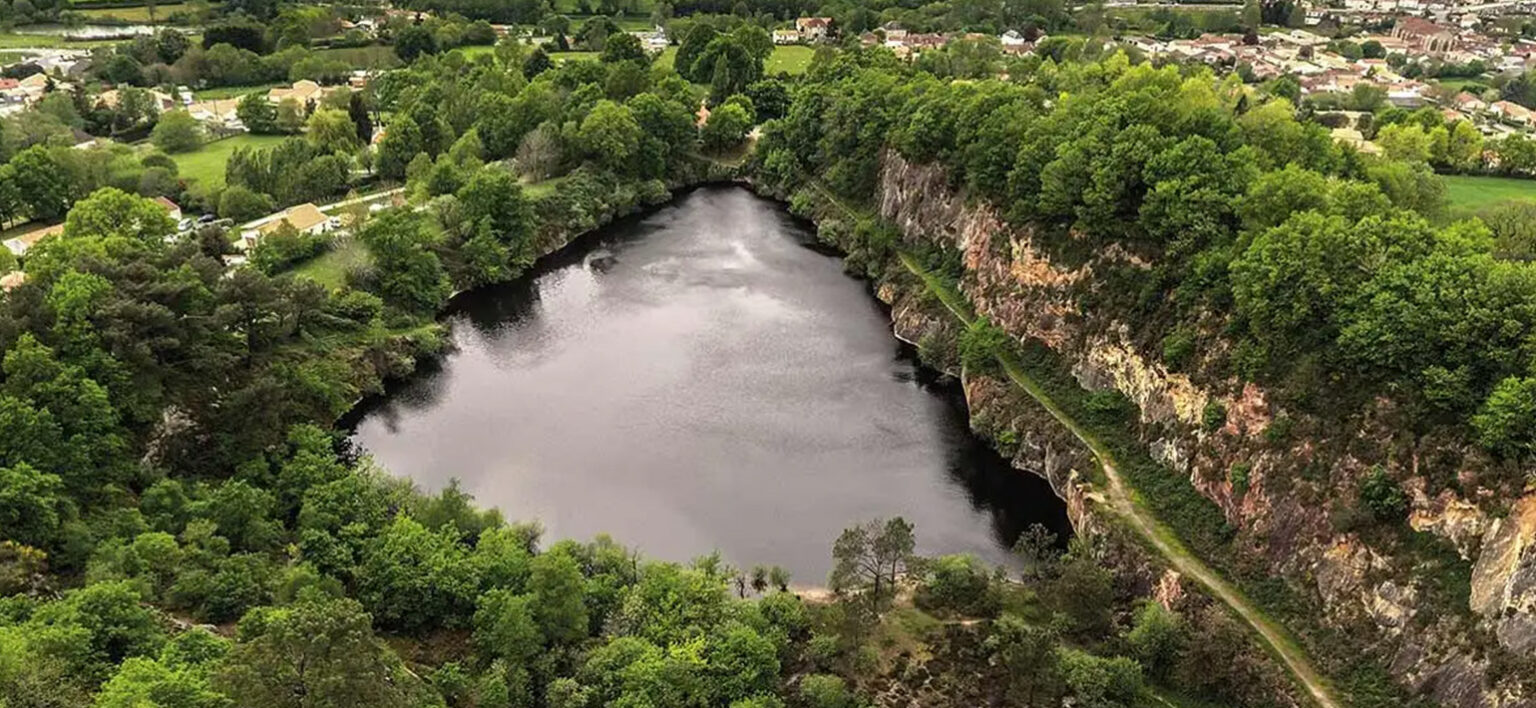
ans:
(206, 164)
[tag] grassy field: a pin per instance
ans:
(472, 52)
(1473, 85)
(224, 92)
(330, 268)
(135, 14)
(206, 165)
(572, 56)
(790, 59)
(1472, 193)
(632, 23)
(11, 40)
(372, 57)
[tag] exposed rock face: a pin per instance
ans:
(1504, 578)
(1282, 516)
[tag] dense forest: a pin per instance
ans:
(1246, 246)
(1333, 272)
(183, 526)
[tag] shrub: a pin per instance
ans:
(1382, 496)
(980, 344)
(825, 691)
(1214, 416)
(1178, 349)
(1239, 477)
(959, 584)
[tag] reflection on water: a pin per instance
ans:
(695, 379)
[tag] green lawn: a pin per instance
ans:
(206, 164)
(539, 190)
(572, 56)
(370, 57)
(11, 40)
(790, 59)
(135, 14)
(224, 92)
(632, 23)
(330, 268)
(1472, 85)
(475, 51)
(1473, 193)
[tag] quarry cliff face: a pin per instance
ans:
(1284, 509)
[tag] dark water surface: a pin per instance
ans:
(701, 378)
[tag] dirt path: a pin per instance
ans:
(1122, 500)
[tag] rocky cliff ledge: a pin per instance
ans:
(1282, 508)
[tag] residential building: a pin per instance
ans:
(305, 218)
(813, 28)
(23, 243)
(302, 91)
(786, 36)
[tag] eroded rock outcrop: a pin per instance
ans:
(1284, 518)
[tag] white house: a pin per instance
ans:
(786, 36)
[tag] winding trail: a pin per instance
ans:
(1124, 502)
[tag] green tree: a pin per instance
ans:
(332, 131)
(414, 41)
(1098, 682)
(32, 505)
(1406, 142)
(289, 118)
(415, 579)
(409, 273)
(505, 627)
(241, 204)
(146, 682)
(177, 131)
(609, 136)
(557, 587)
(317, 652)
(257, 113)
(622, 46)
(1024, 651)
(1157, 638)
(40, 183)
(825, 691)
(1506, 423)
(494, 196)
(727, 127)
(871, 557)
(402, 142)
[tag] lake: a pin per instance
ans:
(701, 377)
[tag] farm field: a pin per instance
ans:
(1470, 193)
(135, 14)
(12, 40)
(206, 164)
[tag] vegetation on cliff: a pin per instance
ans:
(1245, 246)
